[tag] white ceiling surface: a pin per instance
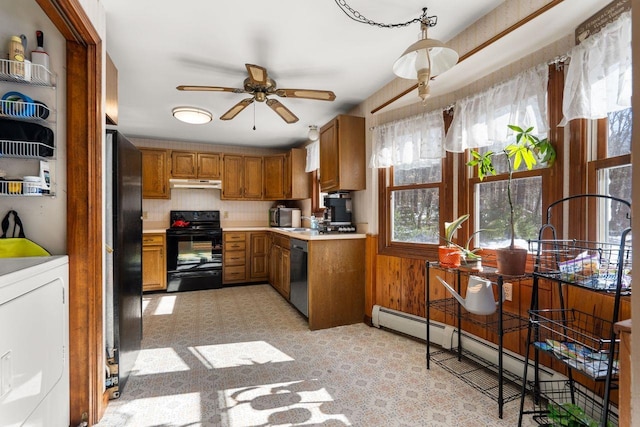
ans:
(304, 44)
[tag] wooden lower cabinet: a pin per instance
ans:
(154, 264)
(279, 263)
(245, 256)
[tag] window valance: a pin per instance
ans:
(598, 79)
(481, 119)
(409, 142)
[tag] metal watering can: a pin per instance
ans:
(479, 296)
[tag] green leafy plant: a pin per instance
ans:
(528, 149)
(451, 227)
(570, 415)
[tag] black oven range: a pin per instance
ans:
(194, 251)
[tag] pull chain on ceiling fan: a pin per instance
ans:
(260, 86)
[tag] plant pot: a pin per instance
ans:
(511, 261)
(473, 264)
(449, 257)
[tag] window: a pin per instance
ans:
(415, 203)
(610, 174)
(409, 155)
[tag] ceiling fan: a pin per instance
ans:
(260, 86)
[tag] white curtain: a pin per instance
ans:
(313, 157)
(481, 119)
(598, 79)
(408, 143)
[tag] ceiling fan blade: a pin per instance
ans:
(321, 95)
(282, 111)
(210, 89)
(257, 74)
(233, 111)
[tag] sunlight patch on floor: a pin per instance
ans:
(291, 403)
(165, 306)
(158, 361)
(238, 354)
(172, 410)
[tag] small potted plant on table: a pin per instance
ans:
(450, 254)
(527, 149)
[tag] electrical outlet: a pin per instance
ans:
(145, 215)
(225, 214)
(507, 288)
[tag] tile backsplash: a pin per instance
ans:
(233, 213)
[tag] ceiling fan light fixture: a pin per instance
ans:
(313, 134)
(192, 115)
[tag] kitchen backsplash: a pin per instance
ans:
(233, 213)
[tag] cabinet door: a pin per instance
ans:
(155, 173)
(183, 164)
(233, 177)
(154, 268)
(329, 155)
(276, 263)
(274, 177)
(297, 182)
(208, 165)
(285, 273)
(252, 178)
(258, 256)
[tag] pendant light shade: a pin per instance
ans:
(192, 115)
(423, 60)
(441, 57)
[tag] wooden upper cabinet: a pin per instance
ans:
(183, 164)
(187, 164)
(232, 177)
(155, 173)
(209, 166)
(252, 178)
(274, 177)
(285, 176)
(342, 154)
(111, 89)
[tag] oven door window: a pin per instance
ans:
(197, 253)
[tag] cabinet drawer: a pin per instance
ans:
(234, 273)
(234, 258)
(152, 239)
(234, 246)
(281, 241)
(234, 237)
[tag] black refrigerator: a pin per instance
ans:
(123, 254)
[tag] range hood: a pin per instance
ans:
(196, 183)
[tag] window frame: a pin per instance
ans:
(385, 187)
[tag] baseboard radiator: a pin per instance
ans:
(446, 336)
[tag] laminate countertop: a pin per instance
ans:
(301, 233)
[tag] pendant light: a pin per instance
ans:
(425, 59)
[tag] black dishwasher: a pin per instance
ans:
(299, 294)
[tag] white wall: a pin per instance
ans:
(44, 218)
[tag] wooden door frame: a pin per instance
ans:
(84, 206)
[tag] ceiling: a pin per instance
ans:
(304, 44)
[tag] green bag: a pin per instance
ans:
(20, 246)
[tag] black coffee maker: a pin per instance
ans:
(337, 209)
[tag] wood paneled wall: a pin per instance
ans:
(400, 284)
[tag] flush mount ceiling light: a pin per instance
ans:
(192, 115)
(424, 59)
(313, 134)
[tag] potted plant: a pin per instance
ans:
(452, 254)
(527, 149)
(449, 254)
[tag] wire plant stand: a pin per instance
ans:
(584, 342)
